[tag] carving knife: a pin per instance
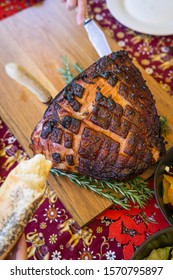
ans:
(97, 37)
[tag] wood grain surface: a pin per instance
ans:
(37, 38)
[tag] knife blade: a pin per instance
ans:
(97, 37)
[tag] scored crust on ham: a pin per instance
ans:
(20, 195)
(103, 124)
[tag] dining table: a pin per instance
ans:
(74, 223)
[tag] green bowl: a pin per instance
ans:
(161, 239)
(166, 210)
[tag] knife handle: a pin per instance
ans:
(20, 75)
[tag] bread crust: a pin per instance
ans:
(20, 195)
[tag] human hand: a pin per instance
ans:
(19, 252)
(81, 6)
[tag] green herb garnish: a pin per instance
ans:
(165, 128)
(68, 70)
(122, 193)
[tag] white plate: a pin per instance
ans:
(154, 17)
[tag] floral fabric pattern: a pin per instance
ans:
(10, 7)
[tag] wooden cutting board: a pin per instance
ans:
(37, 38)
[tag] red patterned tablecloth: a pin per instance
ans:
(10, 7)
(115, 234)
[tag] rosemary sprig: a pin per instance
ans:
(121, 193)
(134, 190)
(165, 128)
(67, 71)
(77, 67)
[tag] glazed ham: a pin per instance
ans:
(103, 124)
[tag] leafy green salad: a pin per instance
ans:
(165, 253)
